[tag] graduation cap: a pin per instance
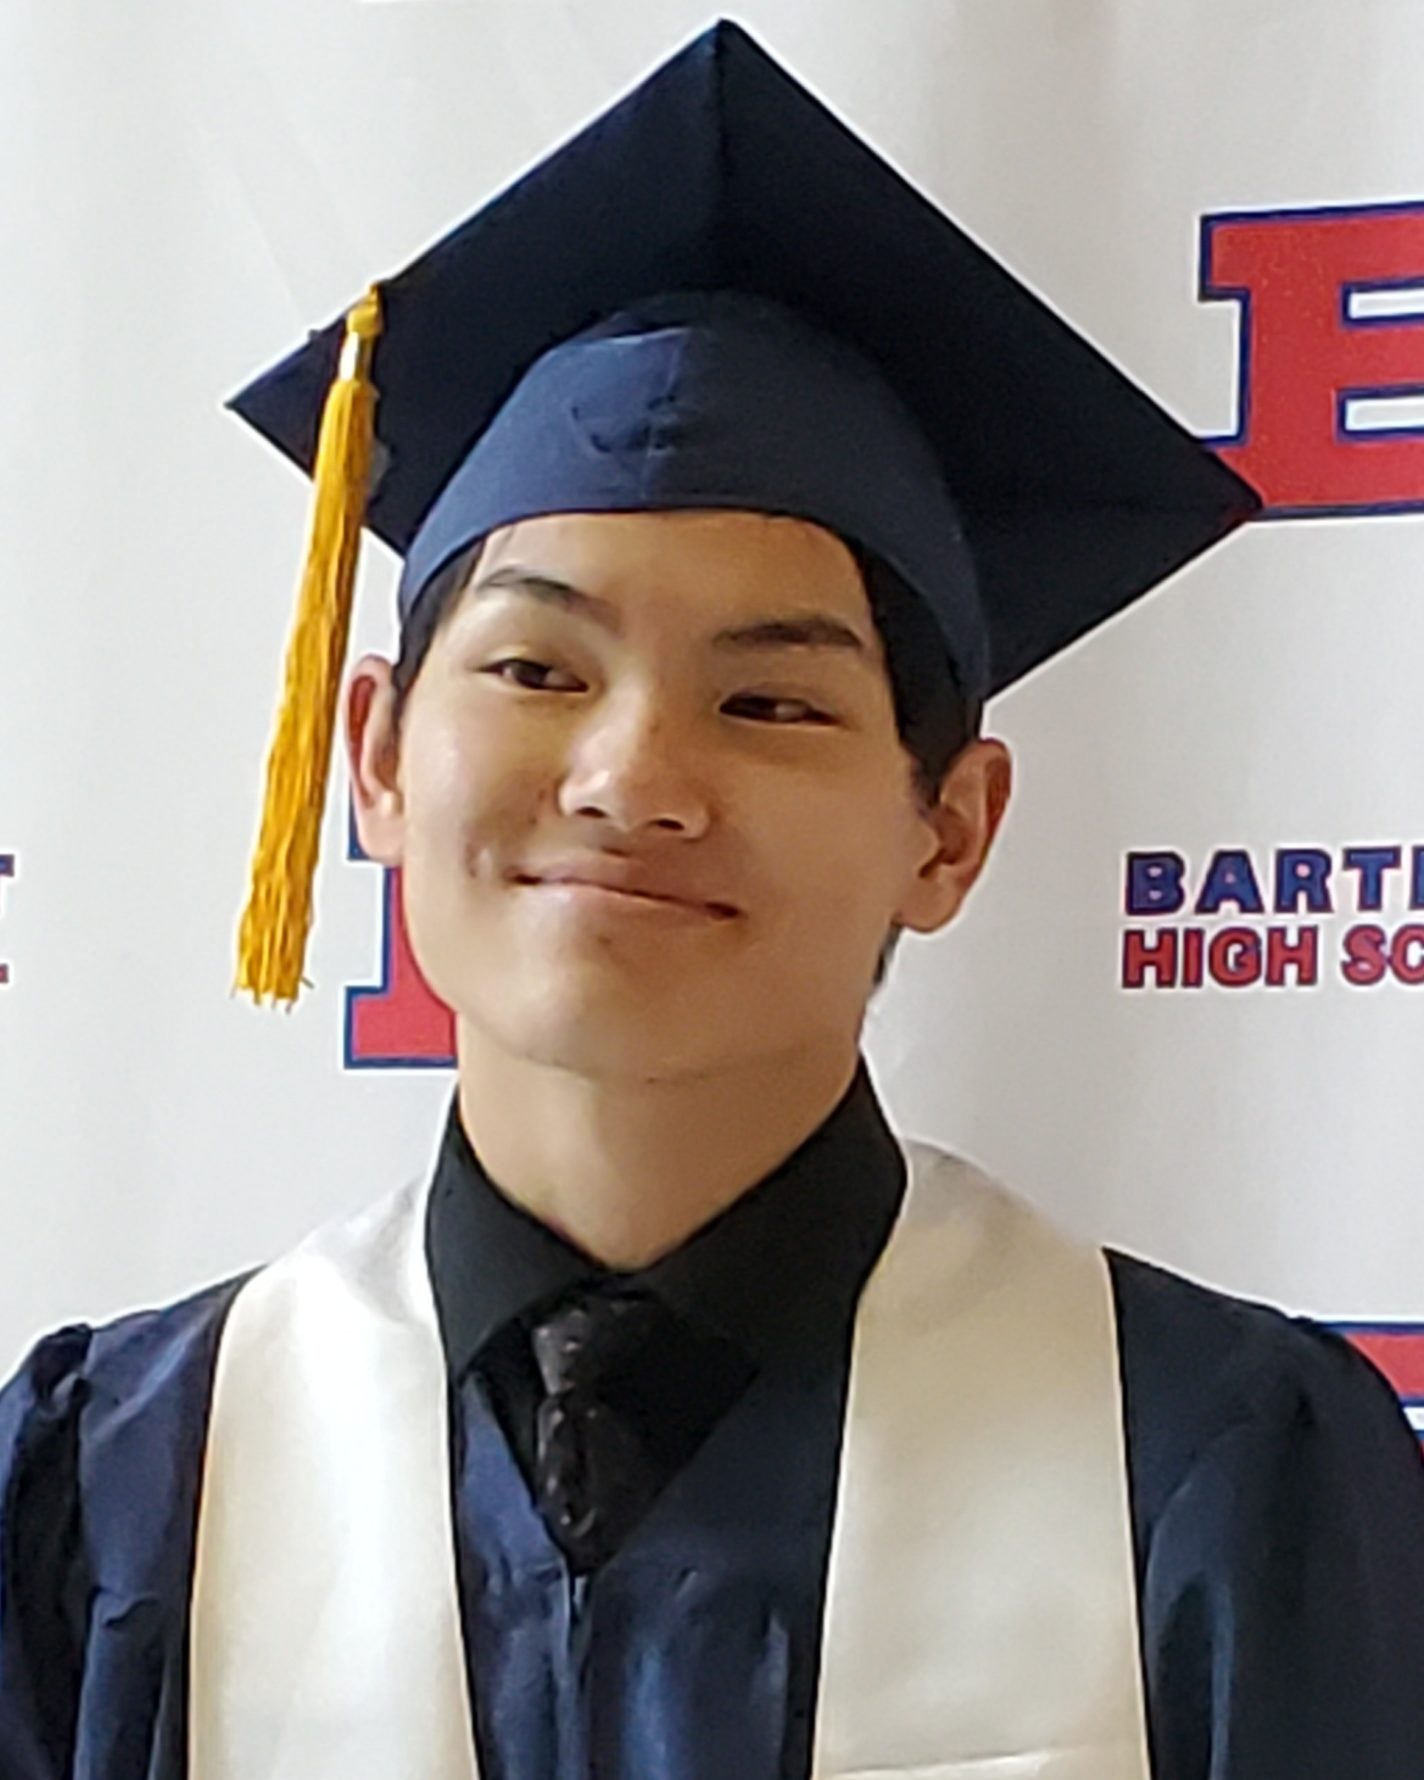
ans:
(716, 295)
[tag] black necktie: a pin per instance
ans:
(594, 1475)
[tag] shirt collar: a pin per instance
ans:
(782, 1267)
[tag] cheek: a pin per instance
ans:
(469, 801)
(840, 855)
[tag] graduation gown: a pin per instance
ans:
(1276, 1563)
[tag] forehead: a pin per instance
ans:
(717, 563)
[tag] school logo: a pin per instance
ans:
(1287, 919)
(7, 872)
(1330, 375)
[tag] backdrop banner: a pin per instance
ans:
(1184, 1011)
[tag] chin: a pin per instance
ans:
(600, 1032)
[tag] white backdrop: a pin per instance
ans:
(184, 189)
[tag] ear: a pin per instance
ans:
(373, 756)
(961, 826)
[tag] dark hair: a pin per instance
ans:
(934, 720)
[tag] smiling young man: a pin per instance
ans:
(681, 1421)
(656, 822)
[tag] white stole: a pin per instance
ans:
(981, 1613)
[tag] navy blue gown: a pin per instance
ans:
(1277, 1497)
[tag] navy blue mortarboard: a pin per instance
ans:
(716, 295)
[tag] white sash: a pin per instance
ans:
(981, 1616)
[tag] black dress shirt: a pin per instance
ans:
(776, 1274)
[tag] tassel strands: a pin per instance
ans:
(275, 924)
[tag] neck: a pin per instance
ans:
(628, 1168)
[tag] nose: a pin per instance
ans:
(635, 766)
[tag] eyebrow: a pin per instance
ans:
(798, 630)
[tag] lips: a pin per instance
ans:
(628, 883)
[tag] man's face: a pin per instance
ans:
(618, 697)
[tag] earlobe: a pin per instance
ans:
(373, 754)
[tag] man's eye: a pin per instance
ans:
(526, 673)
(782, 711)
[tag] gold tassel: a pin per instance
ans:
(273, 935)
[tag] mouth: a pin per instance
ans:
(580, 891)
